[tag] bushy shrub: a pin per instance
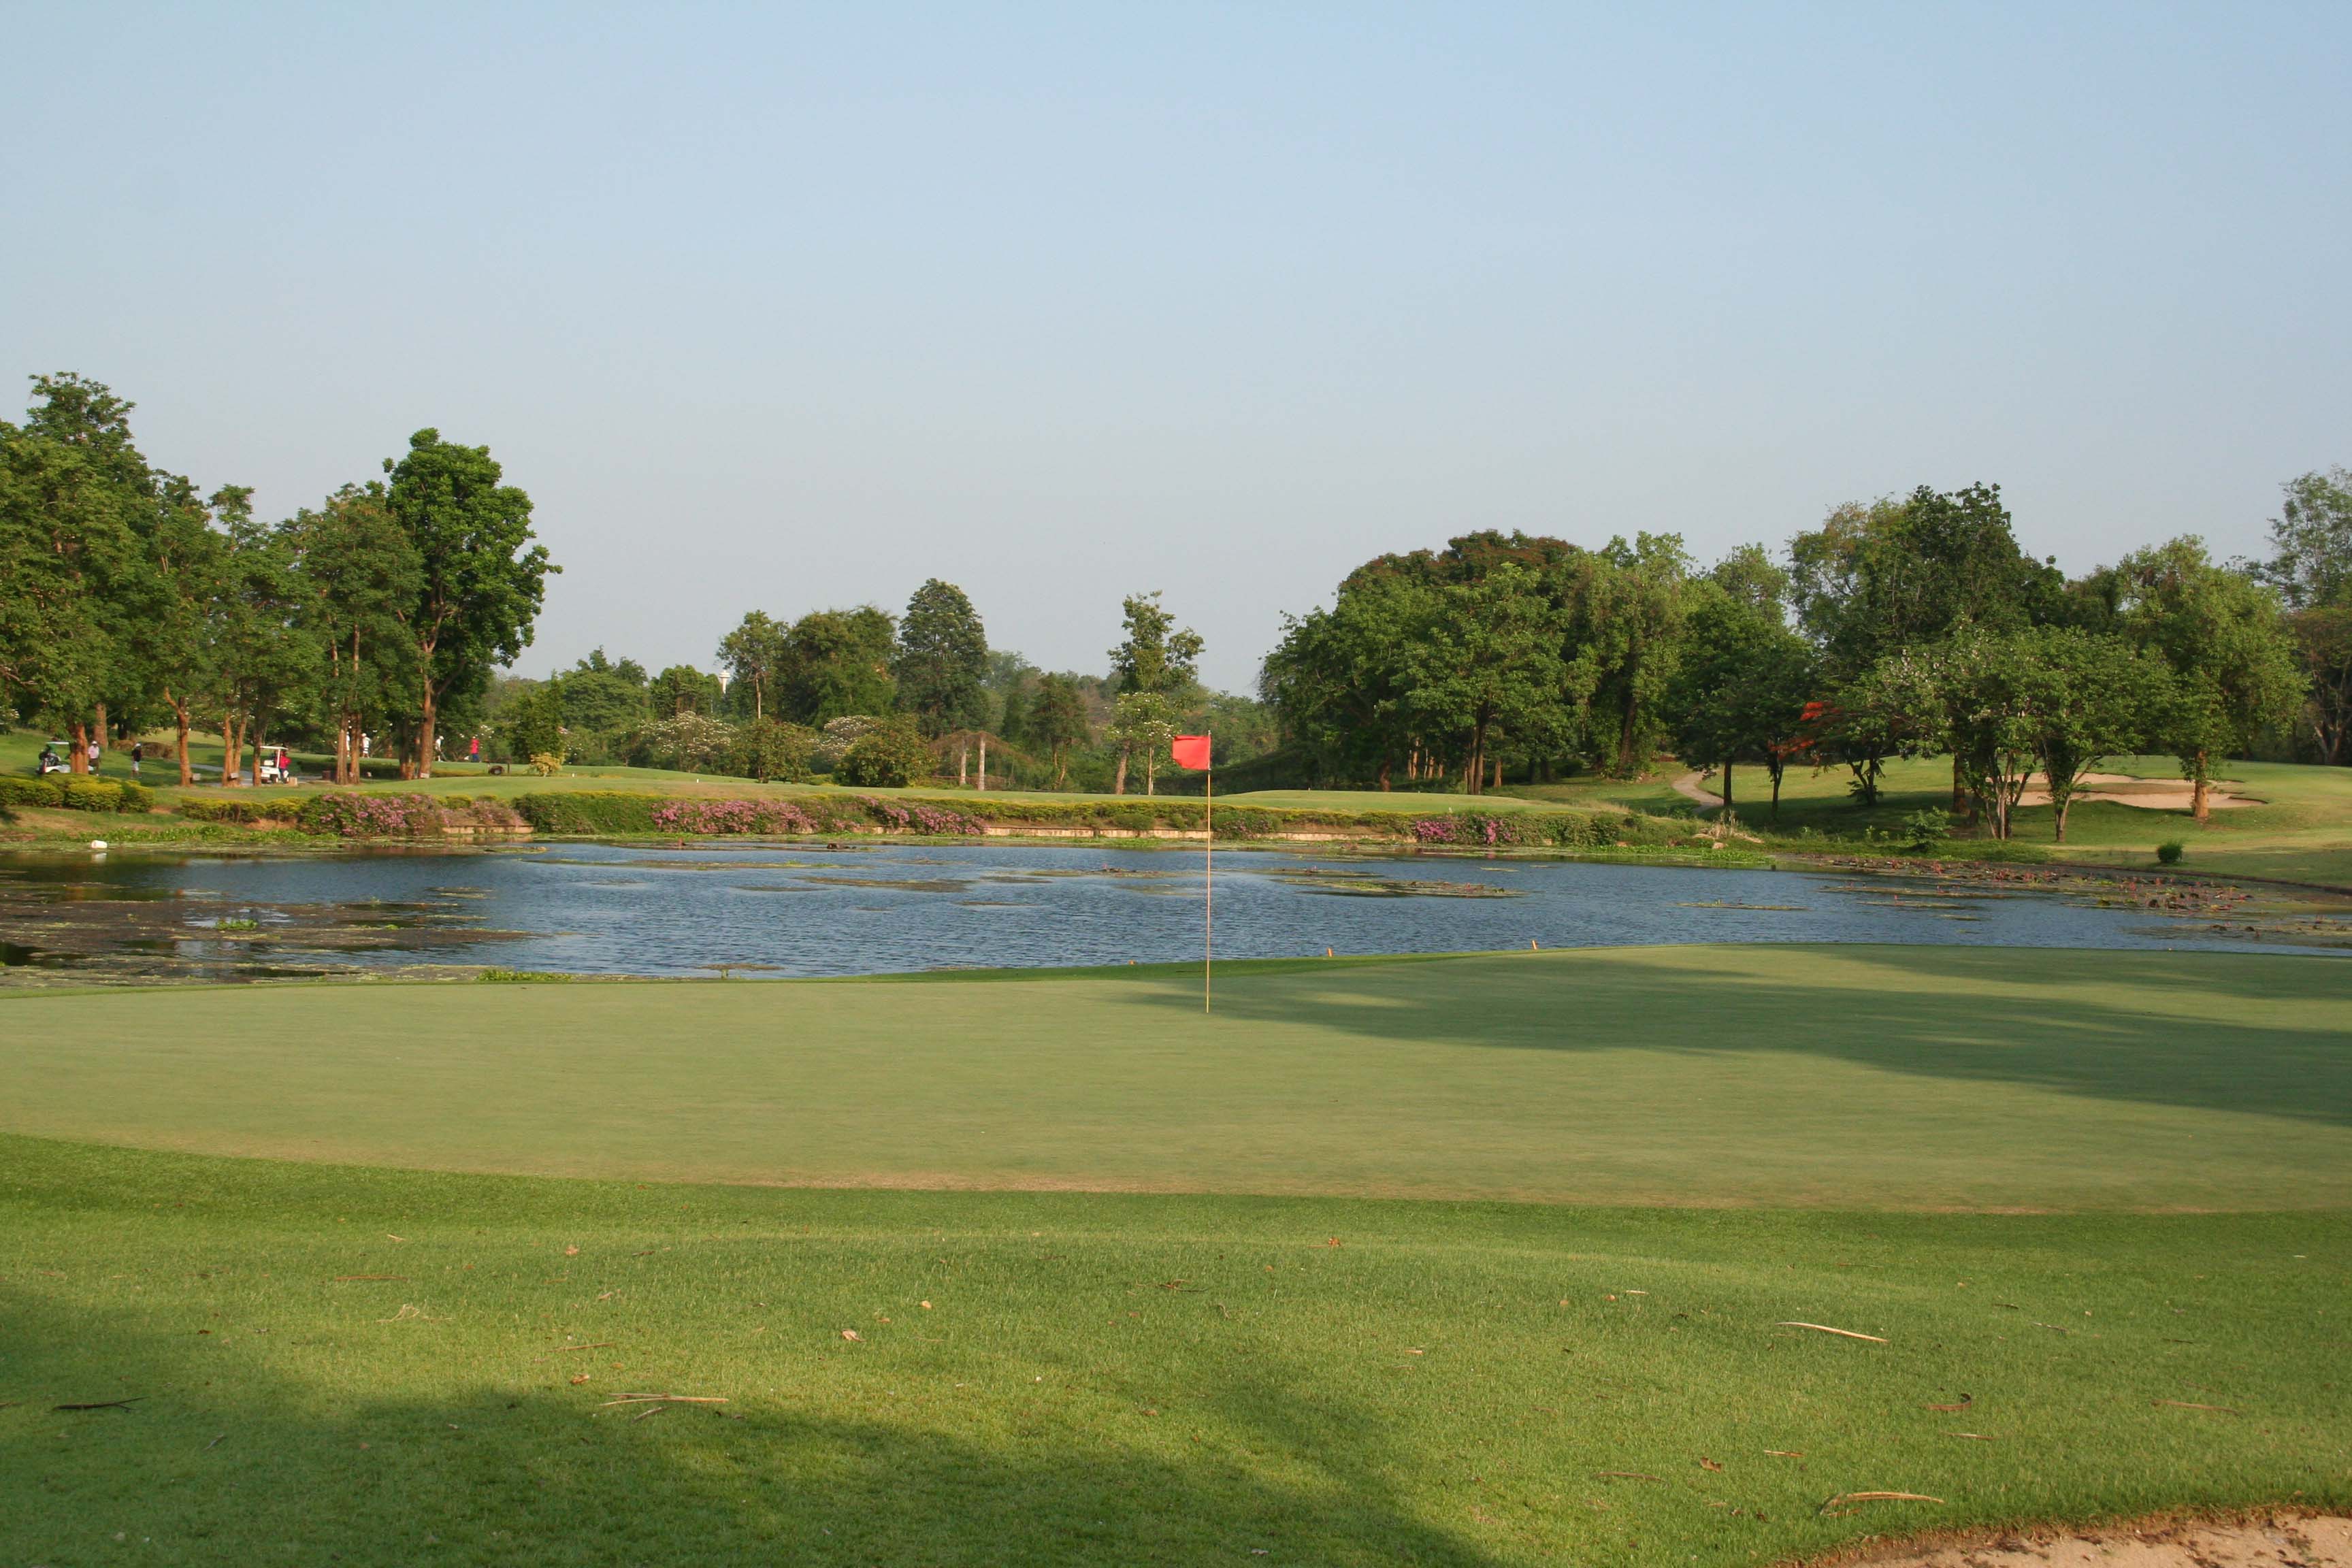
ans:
(36, 791)
(891, 756)
(547, 764)
(136, 796)
(689, 742)
(91, 795)
(834, 742)
(2168, 852)
(771, 748)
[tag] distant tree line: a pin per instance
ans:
(128, 601)
(872, 698)
(1908, 627)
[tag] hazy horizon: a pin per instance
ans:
(792, 309)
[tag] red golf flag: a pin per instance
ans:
(1192, 752)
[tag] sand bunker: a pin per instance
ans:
(2280, 1542)
(2153, 795)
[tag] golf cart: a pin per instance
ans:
(278, 768)
(53, 758)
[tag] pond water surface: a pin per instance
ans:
(808, 910)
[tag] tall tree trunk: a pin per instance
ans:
(1474, 770)
(984, 764)
(231, 746)
(1150, 768)
(1727, 792)
(427, 738)
(1960, 790)
(1384, 775)
(79, 762)
(2058, 804)
(963, 766)
(180, 718)
(1625, 733)
(1776, 770)
(257, 743)
(100, 729)
(1497, 767)
(2200, 802)
(1118, 783)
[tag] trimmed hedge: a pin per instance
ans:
(592, 813)
(70, 792)
(344, 814)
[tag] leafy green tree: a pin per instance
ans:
(182, 567)
(1142, 723)
(1490, 666)
(72, 490)
(1902, 574)
(268, 653)
(2086, 698)
(2313, 537)
(1339, 681)
(531, 723)
(2312, 570)
(941, 662)
(356, 573)
(1743, 678)
(1154, 659)
(682, 688)
(752, 654)
(481, 579)
(603, 701)
(891, 755)
(1625, 630)
(2228, 644)
(2322, 645)
(1058, 722)
(836, 664)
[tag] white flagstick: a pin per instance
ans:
(1208, 882)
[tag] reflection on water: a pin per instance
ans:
(877, 908)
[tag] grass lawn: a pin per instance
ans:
(1271, 1353)
(1889, 1077)
(398, 1367)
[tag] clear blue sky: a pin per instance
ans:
(784, 309)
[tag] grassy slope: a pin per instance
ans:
(1898, 1077)
(1108, 1379)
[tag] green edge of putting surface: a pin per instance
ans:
(325, 1363)
(1837, 1076)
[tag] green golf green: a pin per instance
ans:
(1843, 1077)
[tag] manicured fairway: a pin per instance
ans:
(1844, 1077)
(387, 1367)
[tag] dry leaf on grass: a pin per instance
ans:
(852, 1334)
(1966, 1400)
(1707, 1464)
(2192, 1404)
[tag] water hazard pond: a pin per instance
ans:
(806, 909)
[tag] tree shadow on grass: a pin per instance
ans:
(221, 1461)
(2055, 1035)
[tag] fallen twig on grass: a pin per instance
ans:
(599, 1345)
(347, 1279)
(1826, 1329)
(666, 1399)
(2192, 1404)
(103, 1404)
(1628, 1476)
(1876, 1497)
(215, 1443)
(1966, 1400)
(1974, 1436)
